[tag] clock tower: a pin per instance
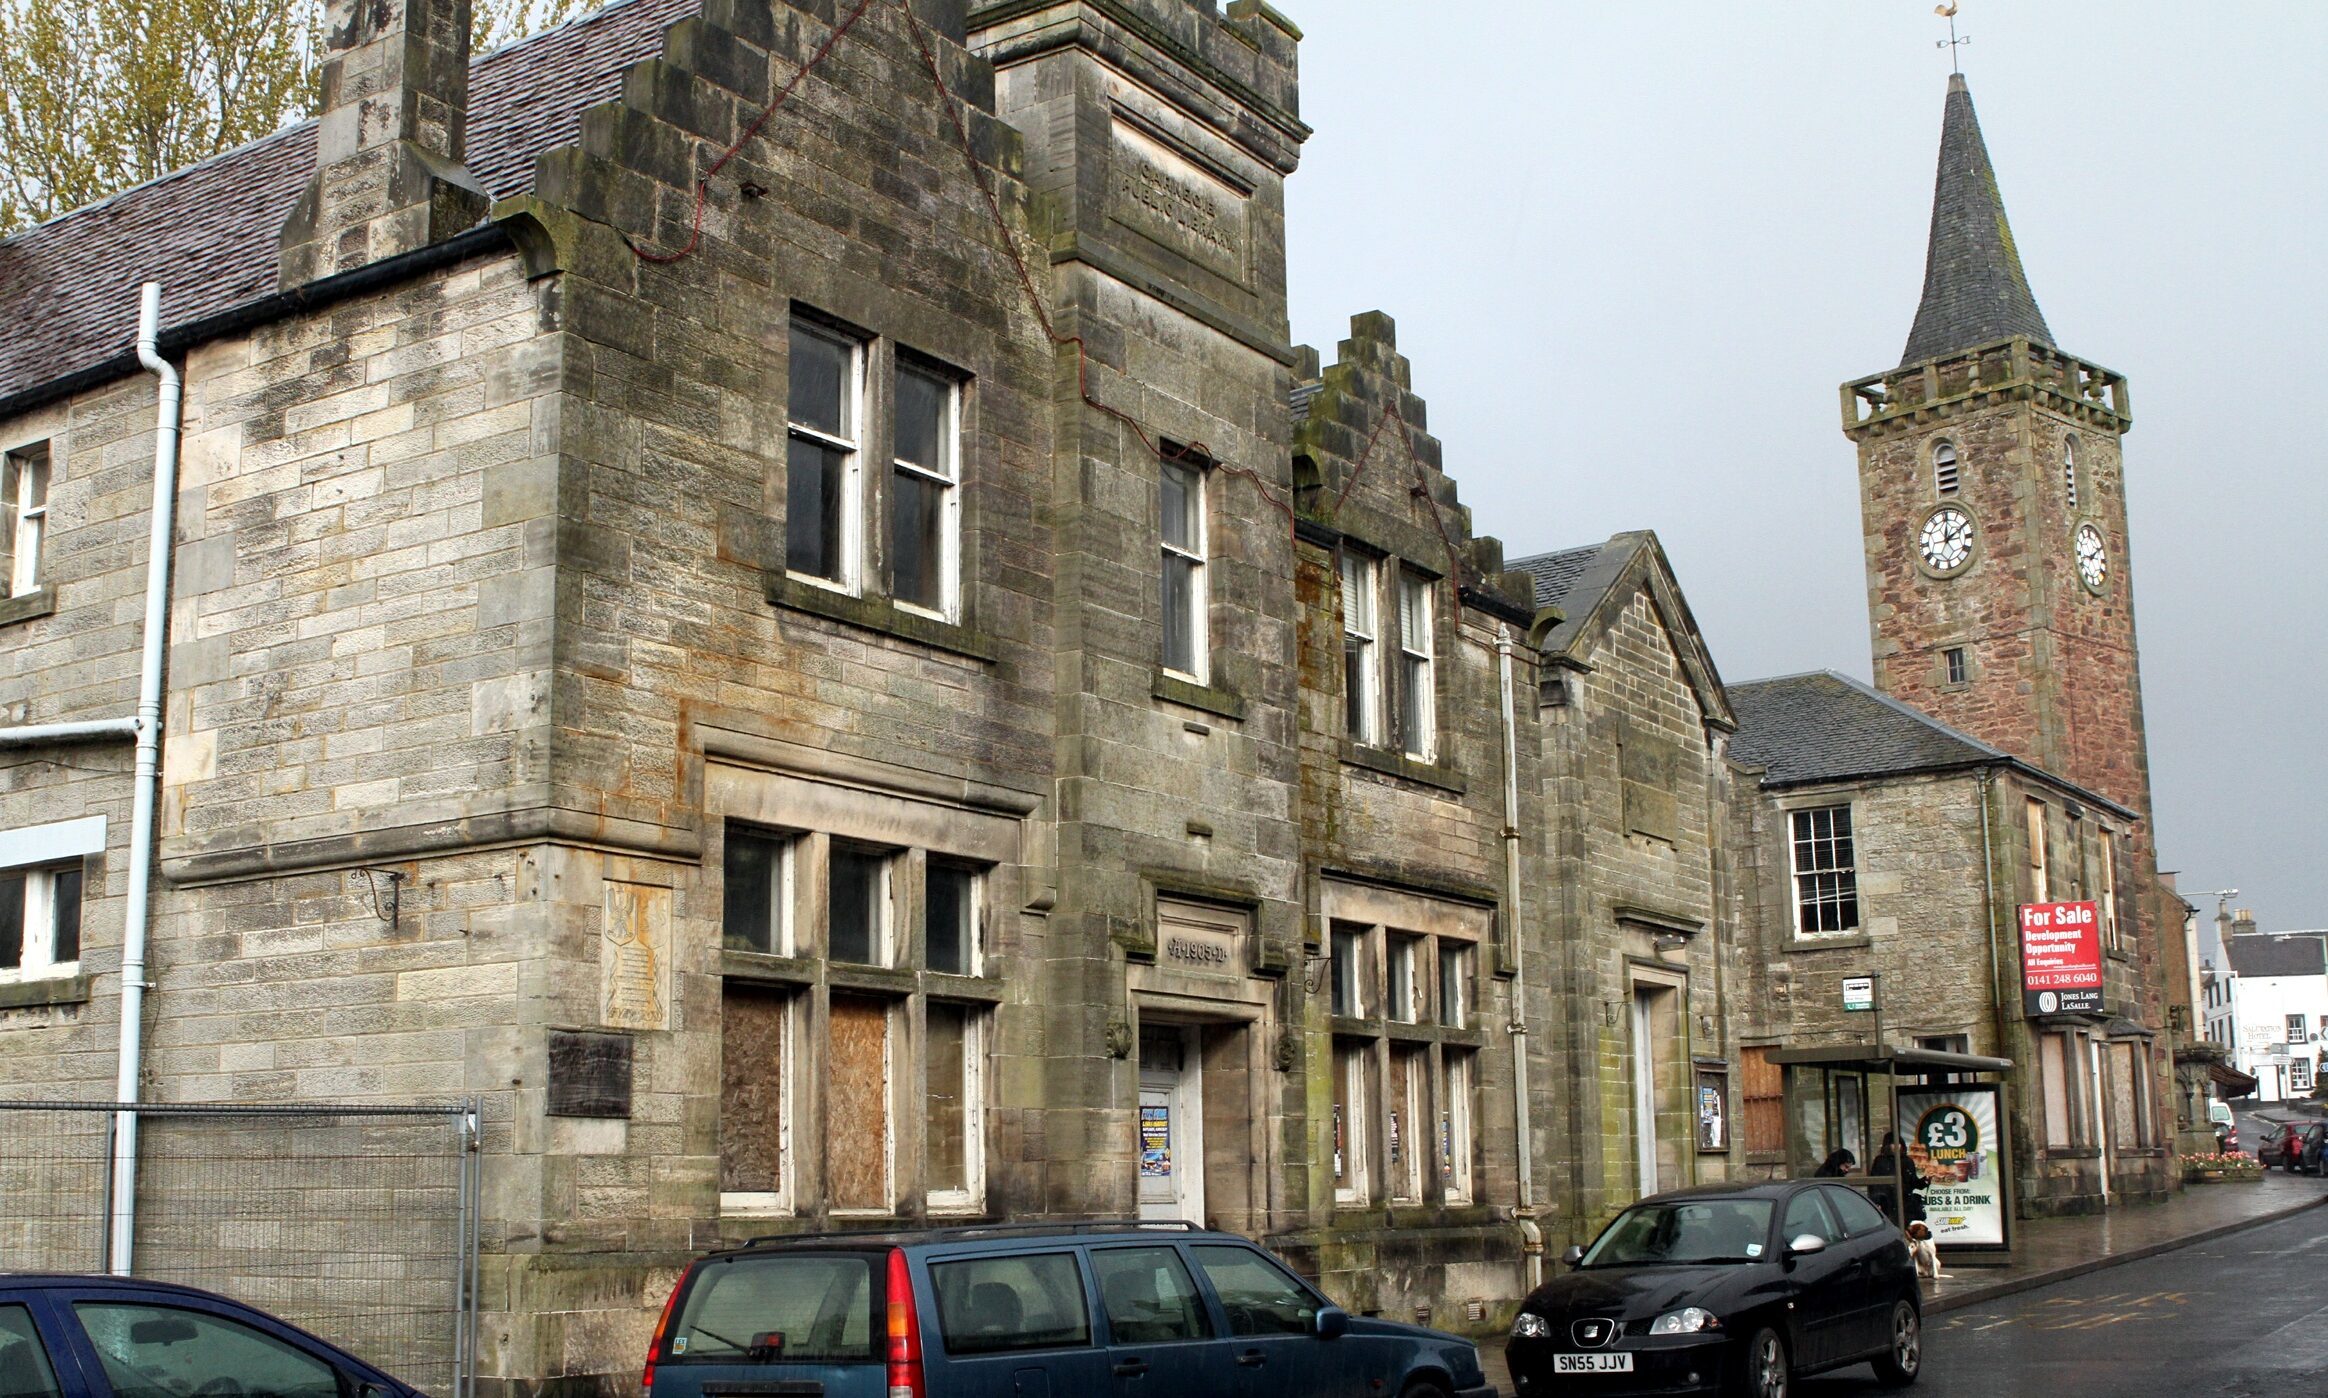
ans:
(1993, 505)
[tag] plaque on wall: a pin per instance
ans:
(634, 957)
(590, 1074)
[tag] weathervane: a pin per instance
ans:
(1951, 43)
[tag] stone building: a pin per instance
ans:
(1112, 805)
(1634, 724)
(1878, 842)
(2000, 759)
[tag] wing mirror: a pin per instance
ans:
(1804, 1244)
(1331, 1323)
(1574, 1257)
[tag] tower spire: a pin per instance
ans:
(1974, 289)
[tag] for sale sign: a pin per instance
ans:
(2061, 958)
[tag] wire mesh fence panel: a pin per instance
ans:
(53, 1171)
(351, 1222)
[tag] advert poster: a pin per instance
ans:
(1953, 1143)
(2061, 958)
(1155, 1141)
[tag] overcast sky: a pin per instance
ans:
(1633, 248)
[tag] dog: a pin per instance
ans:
(1924, 1250)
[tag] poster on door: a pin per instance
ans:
(1954, 1144)
(1155, 1142)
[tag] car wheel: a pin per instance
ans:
(1898, 1366)
(1763, 1371)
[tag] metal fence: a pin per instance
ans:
(358, 1223)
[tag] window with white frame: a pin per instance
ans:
(1417, 699)
(823, 493)
(2113, 936)
(1456, 1145)
(925, 498)
(2069, 471)
(1944, 472)
(757, 878)
(24, 481)
(1361, 662)
(2040, 854)
(40, 922)
(894, 1067)
(857, 898)
(1403, 999)
(1181, 501)
(2296, 1033)
(1406, 1139)
(955, 1114)
(1826, 875)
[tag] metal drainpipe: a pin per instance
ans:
(1988, 905)
(1532, 1237)
(163, 521)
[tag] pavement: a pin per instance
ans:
(2050, 1250)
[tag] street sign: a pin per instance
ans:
(1859, 992)
(2061, 958)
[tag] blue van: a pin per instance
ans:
(1032, 1311)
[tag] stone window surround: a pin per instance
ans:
(854, 598)
(1370, 1044)
(24, 592)
(1837, 937)
(1388, 748)
(35, 849)
(1195, 555)
(913, 830)
(1947, 467)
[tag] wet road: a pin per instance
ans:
(2242, 1316)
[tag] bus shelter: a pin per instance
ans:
(1949, 1116)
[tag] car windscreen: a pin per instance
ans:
(791, 1307)
(1687, 1231)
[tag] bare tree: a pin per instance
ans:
(99, 95)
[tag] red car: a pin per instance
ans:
(2276, 1147)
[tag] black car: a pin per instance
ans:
(1725, 1289)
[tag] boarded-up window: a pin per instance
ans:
(1762, 1092)
(753, 1118)
(1348, 1140)
(857, 1128)
(1455, 1139)
(2053, 1067)
(2125, 1128)
(951, 1127)
(1405, 1136)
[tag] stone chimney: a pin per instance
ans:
(388, 176)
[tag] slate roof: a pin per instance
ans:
(207, 233)
(1824, 727)
(1974, 290)
(2278, 954)
(1829, 727)
(1557, 574)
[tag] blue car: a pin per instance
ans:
(1033, 1311)
(121, 1337)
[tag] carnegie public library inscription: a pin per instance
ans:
(1159, 193)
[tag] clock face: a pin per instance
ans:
(2093, 557)
(1946, 542)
